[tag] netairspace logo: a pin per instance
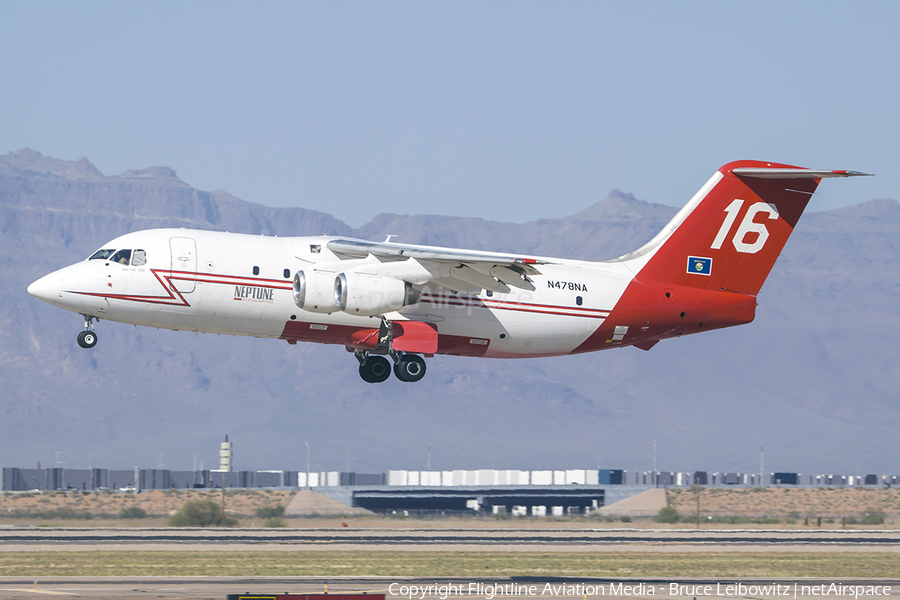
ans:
(490, 591)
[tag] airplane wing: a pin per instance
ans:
(459, 270)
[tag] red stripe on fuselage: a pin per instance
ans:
(544, 309)
(174, 297)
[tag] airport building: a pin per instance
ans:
(516, 492)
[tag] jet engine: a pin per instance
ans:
(314, 291)
(370, 295)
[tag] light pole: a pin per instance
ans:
(761, 469)
(307, 463)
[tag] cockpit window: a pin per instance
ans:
(122, 257)
(102, 254)
(139, 258)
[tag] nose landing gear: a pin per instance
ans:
(88, 338)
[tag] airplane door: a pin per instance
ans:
(184, 263)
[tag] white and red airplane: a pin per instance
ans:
(403, 302)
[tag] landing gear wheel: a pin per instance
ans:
(410, 368)
(87, 339)
(375, 369)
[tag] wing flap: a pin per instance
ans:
(460, 287)
(473, 277)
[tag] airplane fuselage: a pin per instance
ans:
(237, 284)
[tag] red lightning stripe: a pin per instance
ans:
(174, 298)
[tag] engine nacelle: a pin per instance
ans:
(370, 295)
(314, 291)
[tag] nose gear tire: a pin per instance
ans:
(87, 339)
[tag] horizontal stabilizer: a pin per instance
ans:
(763, 173)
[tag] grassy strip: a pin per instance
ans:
(450, 564)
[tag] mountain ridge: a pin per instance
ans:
(812, 377)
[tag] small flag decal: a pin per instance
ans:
(699, 266)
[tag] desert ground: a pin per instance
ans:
(777, 507)
(790, 503)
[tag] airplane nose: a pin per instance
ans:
(46, 288)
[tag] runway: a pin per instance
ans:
(216, 588)
(315, 551)
(23, 539)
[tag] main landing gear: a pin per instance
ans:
(88, 338)
(374, 368)
(410, 368)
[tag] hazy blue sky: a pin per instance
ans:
(504, 110)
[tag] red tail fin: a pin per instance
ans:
(705, 268)
(730, 234)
